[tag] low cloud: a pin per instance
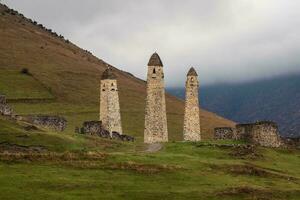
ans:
(232, 40)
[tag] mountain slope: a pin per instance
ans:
(72, 77)
(275, 99)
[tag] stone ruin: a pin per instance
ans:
(291, 142)
(224, 133)
(263, 133)
(5, 109)
(95, 128)
(56, 123)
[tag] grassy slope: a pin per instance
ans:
(125, 171)
(72, 76)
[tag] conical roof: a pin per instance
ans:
(108, 74)
(192, 72)
(155, 60)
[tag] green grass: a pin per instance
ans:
(72, 169)
(181, 170)
(21, 86)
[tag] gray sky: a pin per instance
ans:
(225, 40)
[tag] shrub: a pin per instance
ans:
(25, 71)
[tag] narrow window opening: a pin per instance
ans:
(154, 71)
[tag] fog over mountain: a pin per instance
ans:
(275, 99)
(226, 41)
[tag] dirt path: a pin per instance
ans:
(152, 148)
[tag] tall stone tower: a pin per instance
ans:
(156, 117)
(109, 102)
(191, 126)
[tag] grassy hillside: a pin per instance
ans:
(70, 76)
(46, 165)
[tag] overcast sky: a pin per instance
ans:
(225, 40)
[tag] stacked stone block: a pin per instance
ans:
(224, 133)
(191, 126)
(56, 123)
(155, 114)
(264, 133)
(110, 115)
(5, 109)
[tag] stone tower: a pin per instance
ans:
(155, 116)
(109, 102)
(191, 126)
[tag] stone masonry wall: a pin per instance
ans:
(263, 133)
(5, 109)
(95, 128)
(56, 123)
(155, 114)
(224, 133)
(2, 99)
(109, 106)
(191, 126)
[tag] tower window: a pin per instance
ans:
(113, 89)
(112, 84)
(154, 71)
(103, 90)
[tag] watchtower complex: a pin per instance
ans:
(191, 127)
(155, 115)
(109, 102)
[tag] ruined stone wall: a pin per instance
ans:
(56, 123)
(291, 142)
(191, 126)
(155, 114)
(5, 109)
(2, 99)
(224, 133)
(263, 133)
(91, 127)
(109, 106)
(95, 128)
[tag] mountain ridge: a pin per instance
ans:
(275, 99)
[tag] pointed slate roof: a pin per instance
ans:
(192, 72)
(108, 74)
(155, 60)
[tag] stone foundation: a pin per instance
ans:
(52, 122)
